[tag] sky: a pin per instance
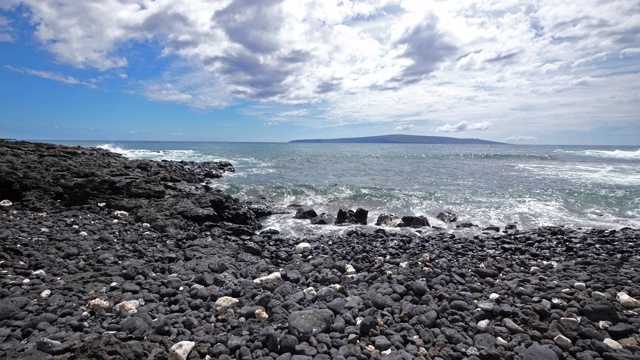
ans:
(529, 72)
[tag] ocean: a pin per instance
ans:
(530, 186)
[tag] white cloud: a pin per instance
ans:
(69, 80)
(294, 113)
(521, 138)
(484, 125)
(630, 52)
(6, 31)
(512, 61)
(464, 126)
(166, 92)
(405, 127)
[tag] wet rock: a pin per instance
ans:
(305, 212)
(415, 221)
(323, 219)
(390, 220)
(358, 217)
(447, 217)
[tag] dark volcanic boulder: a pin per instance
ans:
(323, 219)
(391, 220)
(107, 347)
(305, 212)
(307, 323)
(538, 352)
(415, 221)
(260, 208)
(601, 310)
(199, 215)
(358, 217)
(37, 174)
(8, 311)
(447, 216)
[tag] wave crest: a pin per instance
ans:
(613, 154)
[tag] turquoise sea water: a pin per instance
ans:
(578, 186)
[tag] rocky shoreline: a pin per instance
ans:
(108, 258)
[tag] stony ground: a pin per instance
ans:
(107, 258)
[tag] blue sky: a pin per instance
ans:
(553, 72)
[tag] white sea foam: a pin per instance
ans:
(176, 155)
(601, 174)
(614, 154)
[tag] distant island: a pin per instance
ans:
(401, 139)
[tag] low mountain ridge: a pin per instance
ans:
(401, 139)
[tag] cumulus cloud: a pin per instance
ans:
(377, 60)
(464, 126)
(426, 45)
(405, 127)
(521, 138)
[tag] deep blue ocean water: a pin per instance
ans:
(577, 186)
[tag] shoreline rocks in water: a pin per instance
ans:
(107, 258)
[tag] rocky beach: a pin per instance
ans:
(103, 257)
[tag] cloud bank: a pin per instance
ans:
(521, 138)
(405, 127)
(514, 62)
(464, 126)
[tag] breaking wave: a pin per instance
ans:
(613, 154)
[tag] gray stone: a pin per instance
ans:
(381, 343)
(539, 352)
(8, 311)
(563, 341)
(48, 345)
(459, 305)
(452, 336)
(135, 326)
(288, 344)
(306, 323)
(486, 273)
(600, 310)
(420, 287)
(484, 341)
(367, 324)
(620, 330)
(512, 326)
